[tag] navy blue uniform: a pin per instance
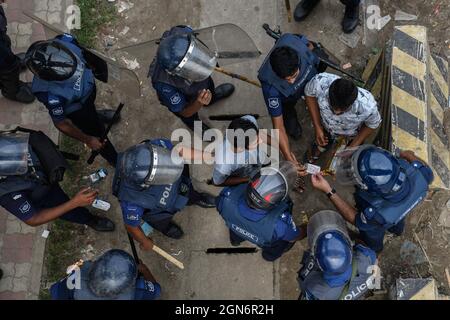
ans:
(372, 225)
(274, 231)
(24, 208)
(74, 99)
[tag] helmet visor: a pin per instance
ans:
(13, 154)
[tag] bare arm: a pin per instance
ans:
(347, 211)
(146, 273)
(203, 99)
(363, 134)
(67, 127)
(233, 181)
(84, 198)
(137, 234)
(284, 140)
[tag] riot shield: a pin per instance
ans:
(105, 69)
(228, 42)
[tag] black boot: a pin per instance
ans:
(221, 92)
(303, 9)
(23, 95)
(101, 224)
(106, 116)
(205, 200)
(23, 65)
(174, 231)
(351, 18)
(1, 274)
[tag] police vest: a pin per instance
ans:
(157, 198)
(75, 90)
(388, 213)
(258, 232)
(314, 287)
(188, 89)
(84, 293)
(308, 67)
(34, 180)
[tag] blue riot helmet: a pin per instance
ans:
(373, 169)
(183, 55)
(271, 186)
(112, 274)
(51, 60)
(333, 253)
(14, 153)
(330, 243)
(146, 164)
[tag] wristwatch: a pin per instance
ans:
(330, 194)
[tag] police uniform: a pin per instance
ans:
(74, 98)
(175, 92)
(274, 231)
(157, 204)
(26, 195)
(349, 286)
(279, 95)
(143, 289)
(380, 214)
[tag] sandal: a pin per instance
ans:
(300, 185)
(312, 154)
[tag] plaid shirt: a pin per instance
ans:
(363, 111)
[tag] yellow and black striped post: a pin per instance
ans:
(418, 99)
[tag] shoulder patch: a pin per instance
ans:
(175, 99)
(274, 103)
(58, 111)
(363, 218)
(25, 207)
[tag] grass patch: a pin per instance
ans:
(94, 15)
(62, 248)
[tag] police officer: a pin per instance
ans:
(261, 211)
(180, 85)
(30, 171)
(351, 15)
(10, 65)
(65, 84)
(284, 75)
(333, 268)
(113, 276)
(387, 189)
(152, 184)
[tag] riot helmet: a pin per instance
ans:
(112, 274)
(14, 153)
(146, 164)
(183, 55)
(271, 186)
(330, 243)
(373, 169)
(51, 61)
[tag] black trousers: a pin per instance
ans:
(9, 81)
(56, 197)
(270, 253)
(290, 119)
(86, 119)
(352, 3)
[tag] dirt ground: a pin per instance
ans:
(145, 118)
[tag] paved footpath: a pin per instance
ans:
(22, 247)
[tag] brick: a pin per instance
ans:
(8, 269)
(13, 226)
(22, 270)
(2, 225)
(9, 295)
(6, 284)
(20, 284)
(17, 255)
(18, 241)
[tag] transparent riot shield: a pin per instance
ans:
(228, 42)
(105, 69)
